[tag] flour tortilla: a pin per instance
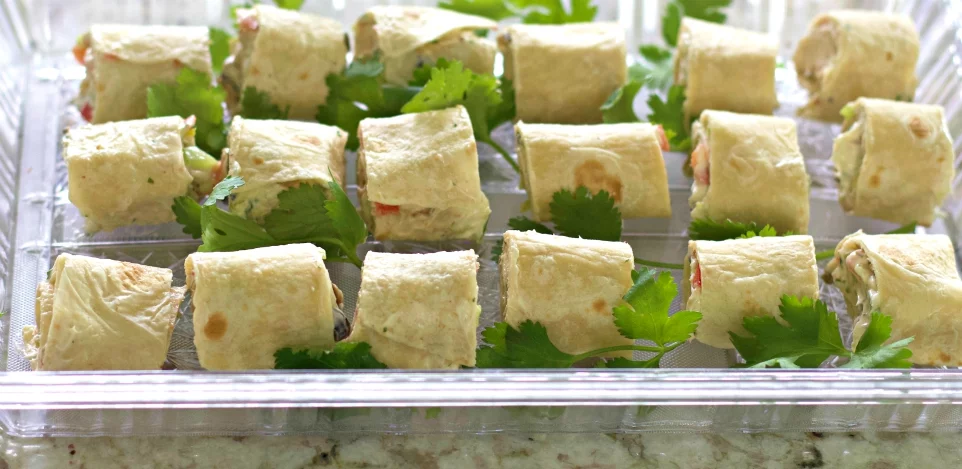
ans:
(757, 173)
(248, 304)
(876, 179)
(623, 159)
(848, 54)
(419, 310)
(746, 277)
(725, 68)
(99, 314)
(274, 155)
(569, 285)
(128, 59)
(127, 173)
(426, 164)
(407, 36)
(563, 74)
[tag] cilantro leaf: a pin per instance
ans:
(810, 335)
(223, 189)
(528, 346)
(706, 10)
(496, 10)
(581, 214)
(295, 206)
(350, 227)
(671, 22)
(710, 230)
(192, 95)
(450, 85)
(187, 212)
(621, 362)
(520, 223)
(765, 232)
(658, 68)
(344, 356)
(224, 231)
(619, 107)
(289, 4)
(506, 109)
(219, 48)
(671, 116)
(553, 11)
(257, 104)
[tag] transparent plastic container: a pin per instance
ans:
(695, 392)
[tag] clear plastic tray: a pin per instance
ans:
(696, 393)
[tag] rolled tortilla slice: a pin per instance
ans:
(417, 177)
(623, 159)
(275, 155)
(248, 304)
(749, 168)
(848, 54)
(99, 314)
(876, 178)
(123, 60)
(563, 74)
(725, 68)
(912, 278)
(287, 55)
(406, 37)
(727, 281)
(569, 285)
(419, 310)
(128, 173)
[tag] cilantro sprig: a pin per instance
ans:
(192, 95)
(644, 316)
(710, 230)
(488, 102)
(256, 104)
(304, 214)
(810, 335)
(530, 11)
(219, 48)
(344, 355)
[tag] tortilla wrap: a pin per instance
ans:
(848, 54)
(127, 173)
(912, 278)
(875, 177)
(417, 177)
(569, 285)
(727, 281)
(756, 171)
(99, 314)
(275, 155)
(563, 73)
(248, 304)
(419, 310)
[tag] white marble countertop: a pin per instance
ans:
(595, 451)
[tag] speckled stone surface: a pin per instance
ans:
(570, 451)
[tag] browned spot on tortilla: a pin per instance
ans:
(944, 357)
(255, 70)
(888, 56)
(592, 175)
(302, 76)
(599, 305)
(216, 326)
(874, 181)
(131, 274)
(919, 128)
(101, 88)
(257, 160)
(311, 139)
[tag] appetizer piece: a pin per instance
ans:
(129, 173)
(727, 281)
(913, 279)
(850, 54)
(275, 155)
(749, 168)
(725, 68)
(623, 159)
(417, 177)
(407, 37)
(248, 304)
(894, 161)
(563, 74)
(569, 285)
(287, 55)
(419, 310)
(99, 314)
(123, 60)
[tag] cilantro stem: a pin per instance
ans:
(617, 348)
(826, 254)
(504, 153)
(662, 265)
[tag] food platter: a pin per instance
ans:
(694, 390)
